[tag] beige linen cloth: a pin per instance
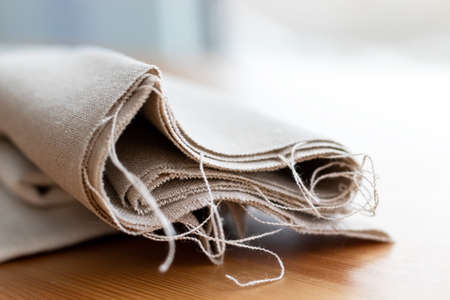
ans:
(91, 126)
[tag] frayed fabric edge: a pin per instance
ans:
(218, 237)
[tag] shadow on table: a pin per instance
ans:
(111, 260)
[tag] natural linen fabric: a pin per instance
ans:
(36, 215)
(88, 119)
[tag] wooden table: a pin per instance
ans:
(415, 202)
(317, 268)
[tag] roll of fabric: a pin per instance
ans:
(143, 153)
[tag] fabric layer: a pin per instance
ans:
(105, 130)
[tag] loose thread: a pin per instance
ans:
(238, 244)
(140, 187)
(215, 221)
(298, 181)
(356, 176)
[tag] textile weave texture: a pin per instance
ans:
(94, 141)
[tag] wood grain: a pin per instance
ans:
(317, 268)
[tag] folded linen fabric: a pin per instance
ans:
(143, 153)
(36, 215)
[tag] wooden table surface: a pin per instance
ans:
(317, 268)
(415, 203)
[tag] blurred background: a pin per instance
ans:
(388, 57)
(374, 75)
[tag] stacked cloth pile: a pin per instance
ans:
(93, 141)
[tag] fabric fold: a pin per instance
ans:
(105, 129)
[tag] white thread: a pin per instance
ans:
(140, 188)
(260, 281)
(214, 219)
(310, 196)
(217, 227)
(238, 243)
(307, 196)
(372, 172)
